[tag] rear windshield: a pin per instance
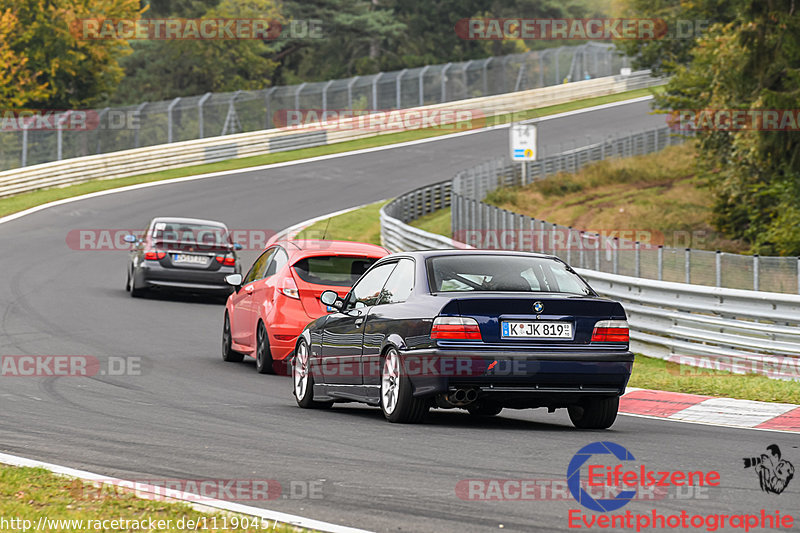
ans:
(196, 233)
(466, 273)
(333, 270)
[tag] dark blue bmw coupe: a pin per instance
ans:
(470, 329)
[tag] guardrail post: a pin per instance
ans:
(660, 262)
(422, 84)
(638, 269)
(375, 90)
(719, 268)
(755, 272)
(397, 88)
(444, 82)
(200, 121)
(139, 122)
(688, 264)
(170, 107)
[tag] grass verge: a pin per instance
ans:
(34, 494)
(648, 373)
(24, 201)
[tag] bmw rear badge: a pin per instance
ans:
(538, 307)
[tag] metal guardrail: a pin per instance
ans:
(216, 114)
(186, 153)
(742, 331)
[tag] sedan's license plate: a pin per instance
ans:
(188, 258)
(537, 330)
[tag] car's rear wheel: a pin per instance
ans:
(263, 353)
(227, 352)
(303, 380)
(397, 402)
(594, 414)
(484, 409)
(135, 291)
(128, 281)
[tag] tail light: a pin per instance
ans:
(226, 260)
(611, 331)
(290, 289)
(455, 327)
(154, 255)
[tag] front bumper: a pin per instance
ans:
(521, 377)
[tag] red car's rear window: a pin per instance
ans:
(333, 270)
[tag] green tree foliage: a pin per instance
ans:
(752, 63)
(164, 69)
(51, 64)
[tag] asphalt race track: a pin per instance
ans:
(189, 415)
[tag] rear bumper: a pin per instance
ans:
(510, 377)
(156, 276)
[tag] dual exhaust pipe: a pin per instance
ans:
(461, 397)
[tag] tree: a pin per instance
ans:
(751, 64)
(69, 72)
(18, 84)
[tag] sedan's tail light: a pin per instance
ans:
(154, 255)
(290, 289)
(455, 327)
(611, 331)
(226, 260)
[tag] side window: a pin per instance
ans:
(257, 270)
(278, 261)
(400, 283)
(367, 291)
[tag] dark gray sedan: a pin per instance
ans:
(182, 254)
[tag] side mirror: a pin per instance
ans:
(131, 239)
(234, 279)
(331, 299)
(237, 246)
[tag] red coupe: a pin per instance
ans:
(280, 294)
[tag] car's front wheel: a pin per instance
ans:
(303, 379)
(594, 414)
(227, 352)
(263, 352)
(397, 401)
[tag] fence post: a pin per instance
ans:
(397, 88)
(422, 84)
(297, 95)
(688, 264)
(597, 254)
(268, 119)
(99, 132)
(485, 76)
(24, 155)
(569, 245)
(170, 107)
(755, 272)
(139, 122)
(638, 269)
(375, 90)
(719, 269)
(580, 251)
(660, 262)
(200, 120)
(798, 275)
(444, 82)
(325, 98)
(59, 135)
(350, 92)
(615, 257)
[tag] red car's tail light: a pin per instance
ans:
(154, 255)
(290, 289)
(455, 327)
(226, 260)
(611, 331)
